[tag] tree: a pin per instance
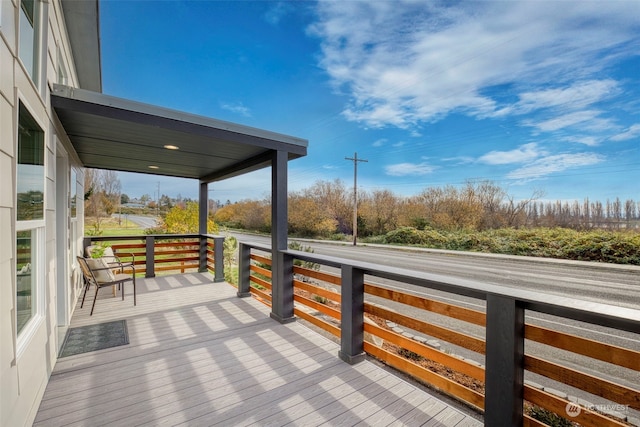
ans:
(102, 195)
(185, 220)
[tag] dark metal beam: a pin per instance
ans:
(281, 263)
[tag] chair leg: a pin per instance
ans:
(134, 290)
(86, 288)
(94, 300)
(121, 286)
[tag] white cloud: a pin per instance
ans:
(574, 97)
(524, 153)
(406, 62)
(409, 169)
(380, 142)
(632, 132)
(553, 164)
(587, 119)
(237, 108)
(590, 141)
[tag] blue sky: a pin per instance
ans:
(535, 96)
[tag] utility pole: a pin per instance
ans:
(158, 201)
(355, 161)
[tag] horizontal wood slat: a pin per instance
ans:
(430, 329)
(427, 352)
(182, 259)
(261, 271)
(585, 418)
(260, 258)
(317, 306)
(118, 246)
(261, 295)
(177, 251)
(444, 384)
(586, 347)
(454, 311)
(175, 267)
(333, 296)
(261, 282)
(325, 277)
(527, 421)
(332, 329)
(614, 392)
(176, 244)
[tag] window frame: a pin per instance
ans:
(38, 227)
(35, 47)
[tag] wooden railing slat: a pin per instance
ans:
(586, 417)
(614, 392)
(317, 306)
(584, 346)
(427, 352)
(444, 384)
(430, 329)
(333, 296)
(450, 310)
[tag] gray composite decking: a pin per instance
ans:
(198, 355)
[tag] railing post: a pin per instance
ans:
(202, 261)
(244, 270)
(282, 287)
(352, 315)
(218, 259)
(150, 253)
(504, 385)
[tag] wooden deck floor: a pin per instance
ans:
(198, 355)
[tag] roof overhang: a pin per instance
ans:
(122, 135)
(82, 20)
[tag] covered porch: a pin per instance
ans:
(199, 355)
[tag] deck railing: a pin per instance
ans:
(168, 252)
(336, 303)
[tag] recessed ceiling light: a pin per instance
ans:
(171, 147)
(154, 167)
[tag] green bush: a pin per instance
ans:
(621, 247)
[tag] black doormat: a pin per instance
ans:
(94, 337)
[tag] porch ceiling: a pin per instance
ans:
(118, 134)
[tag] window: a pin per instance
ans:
(30, 217)
(30, 168)
(28, 49)
(73, 194)
(26, 247)
(63, 78)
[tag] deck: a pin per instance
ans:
(198, 355)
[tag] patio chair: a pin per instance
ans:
(99, 272)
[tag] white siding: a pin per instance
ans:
(25, 373)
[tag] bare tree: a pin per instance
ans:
(102, 195)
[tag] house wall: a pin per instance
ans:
(27, 358)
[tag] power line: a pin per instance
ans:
(355, 160)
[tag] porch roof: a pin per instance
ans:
(119, 134)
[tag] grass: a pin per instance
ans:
(112, 227)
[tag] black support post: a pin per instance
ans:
(150, 256)
(281, 264)
(203, 210)
(218, 259)
(244, 271)
(505, 362)
(352, 318)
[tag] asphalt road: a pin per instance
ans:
(604, 283)
(142, 221)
